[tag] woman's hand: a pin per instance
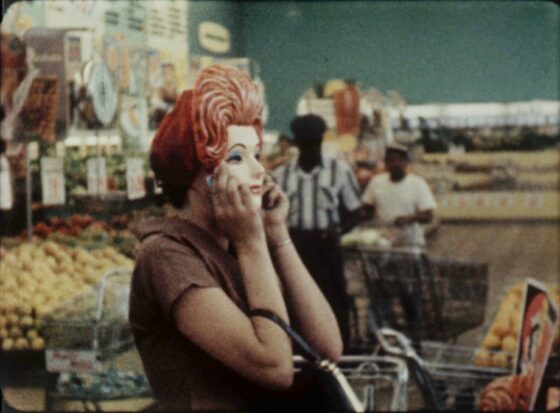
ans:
(274, 211)
(235, 213)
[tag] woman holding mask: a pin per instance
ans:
(225, 252)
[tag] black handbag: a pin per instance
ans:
(319, 385)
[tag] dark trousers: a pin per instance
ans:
(321, 253)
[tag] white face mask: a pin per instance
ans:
(242, 159)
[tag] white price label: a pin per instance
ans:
(33, 149)
(72, 361)
(157, 188)
(60, 149)
(135, 183)
(97, 176)
(52, 181)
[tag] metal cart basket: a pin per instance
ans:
(85, 336)
(446, 376)
(95, 320)
(380, 382)
(427, 298)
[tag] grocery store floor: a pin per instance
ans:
(513, 250)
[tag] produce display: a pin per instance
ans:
(510, 393)
(75, 166)
(500, 342)
(366, 236)
(20, 330)
(85, 231)
(37, 277)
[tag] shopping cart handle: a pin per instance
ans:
(403, 347)
(420, 373)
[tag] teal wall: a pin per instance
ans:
(428, 51)
(226, 13)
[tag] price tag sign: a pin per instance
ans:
(97, 176)
(52, 181)
(33, 149)
(135, 183)
(60, 149)
(72, 361)
(157, 188)
(6, 197)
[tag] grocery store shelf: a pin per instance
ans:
(499, 205)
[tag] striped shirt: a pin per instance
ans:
(315, 197)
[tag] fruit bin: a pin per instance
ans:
(96, 320)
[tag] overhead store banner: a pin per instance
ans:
(23, 15)
(124, 45)
(74, 14)
(167, 56)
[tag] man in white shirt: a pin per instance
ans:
(399, 199)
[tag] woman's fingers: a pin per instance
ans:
(273, 197)
(232, 193)
(220, 180)
(246, 198)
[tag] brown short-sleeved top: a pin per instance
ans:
(173, 256)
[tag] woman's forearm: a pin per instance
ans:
(311, 314)
(263, 291)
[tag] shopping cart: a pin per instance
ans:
(427, 298)
(380, 382)
(85, 338)
(445, 376)
(94, 320)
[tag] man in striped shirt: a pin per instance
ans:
(324, 202)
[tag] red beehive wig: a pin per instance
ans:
(194, 133)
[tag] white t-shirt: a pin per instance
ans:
(395, 199)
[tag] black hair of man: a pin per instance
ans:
(397, 149)
(308, 127)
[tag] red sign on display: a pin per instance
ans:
(539, 319)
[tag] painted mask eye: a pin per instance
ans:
(234, 157)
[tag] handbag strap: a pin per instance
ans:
(309, 352)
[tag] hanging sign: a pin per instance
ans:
(214, 37)
(6, 197)
(52, 181)
(135, 185)
(33, 149)
(97, 176)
